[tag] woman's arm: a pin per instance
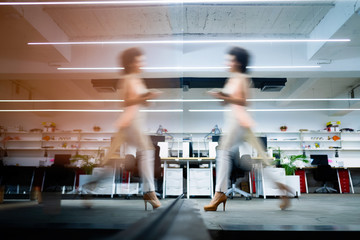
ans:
(139, 99)
(233, 99)
(131, 95)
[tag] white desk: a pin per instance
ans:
(193, 175)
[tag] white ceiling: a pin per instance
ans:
(34, 68)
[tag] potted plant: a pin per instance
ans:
(290, 164)
(85, 162)
(283, 128)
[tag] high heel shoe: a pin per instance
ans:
(285, 203)
(218, 198)
(151, 198)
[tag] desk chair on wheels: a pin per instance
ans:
(240, 166)
(323, 173)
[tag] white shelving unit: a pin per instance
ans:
(32, 144)
(20, 145)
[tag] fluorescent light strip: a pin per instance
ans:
(303, 100)
(58, 100)
(181, 110)
(185, 68)
(192, 41)
(304, 110)
(60, 110)
(185, 100)
(279, 110)
(162, 110)
(188, 100)
(209, 110)
(283, 67)
(144, 2)
(87, 110)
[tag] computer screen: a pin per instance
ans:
(155, 139)
(319, 159)
(215, 138)
(62, 159)
(263, 140)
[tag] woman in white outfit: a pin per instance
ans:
(130, 123)
(239, 124)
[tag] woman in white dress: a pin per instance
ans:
(239, 124)
(131, 121)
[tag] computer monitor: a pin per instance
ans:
(155, 139)
(62, 159)
(319, 159)
(263, 140)
(215, 138)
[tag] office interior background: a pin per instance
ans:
(59, 70)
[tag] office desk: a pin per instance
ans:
(191, 178)
(342, 172)
(259, 181)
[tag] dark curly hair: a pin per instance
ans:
(241, 56)
(127, 58)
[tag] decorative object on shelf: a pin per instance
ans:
(303, 130)
(86, 162)
(216, 131)
(46, 138)
(317, 145)
(335, 138)
(290, 164)
(77, 130)
(96, 128)
(283, 128)
(347, 130)
(332, 126)
(49, 125)
(163, 131)
(36, 130)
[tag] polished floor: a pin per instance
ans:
(310, 212)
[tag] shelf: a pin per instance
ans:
(322, 132)
(329, 141)
(52, 149)
(272, 141)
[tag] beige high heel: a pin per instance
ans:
(215, 202)
(151, 198)
(285, 202)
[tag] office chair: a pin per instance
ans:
(131, 166)
(325, 174)
(240, 166)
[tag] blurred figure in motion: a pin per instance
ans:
(239, 124)
(130, 122)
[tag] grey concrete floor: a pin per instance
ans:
(341, 210)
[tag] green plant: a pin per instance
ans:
(289, 163)
(85, 162)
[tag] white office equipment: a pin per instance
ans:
(164, 149)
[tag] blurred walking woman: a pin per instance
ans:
(238, 123)
(130, 123)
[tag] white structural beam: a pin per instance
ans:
(297, 90)
(331, 23)
(355, 90)
(46, 26)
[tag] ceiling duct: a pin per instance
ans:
(265, 84)
(105, 85)
(269, 84)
